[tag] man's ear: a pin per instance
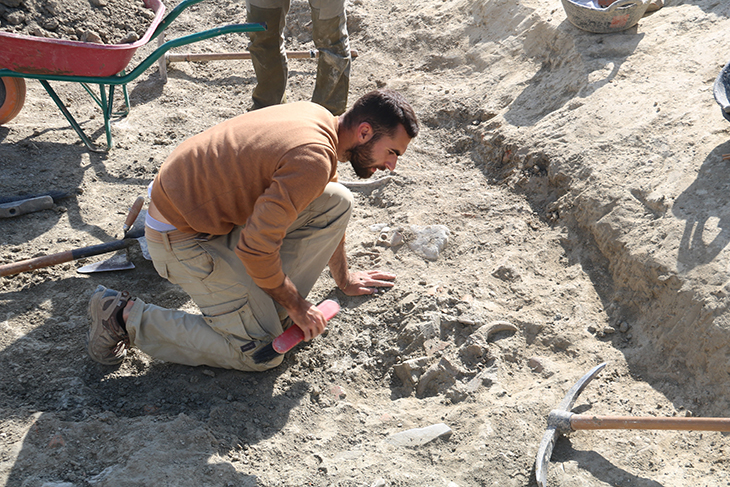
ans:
(364, 132)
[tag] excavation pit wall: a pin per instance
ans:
(678, 320)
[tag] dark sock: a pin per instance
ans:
(120, 320)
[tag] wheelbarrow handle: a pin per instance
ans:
(172, 16)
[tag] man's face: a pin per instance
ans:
(378, 153)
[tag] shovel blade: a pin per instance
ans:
(118, 262)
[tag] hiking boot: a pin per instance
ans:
(107, 341)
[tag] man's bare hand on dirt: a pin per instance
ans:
(367, 282)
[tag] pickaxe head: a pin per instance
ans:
(556, 425)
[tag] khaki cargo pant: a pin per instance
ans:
(237, 316)
(329, 33)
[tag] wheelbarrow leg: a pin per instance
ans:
(74, 124)
(106, 108)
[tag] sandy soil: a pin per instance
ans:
(98, 21)
(581, 180)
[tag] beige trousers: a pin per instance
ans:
(237, 317)
(330, 37)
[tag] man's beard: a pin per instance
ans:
(361, 158)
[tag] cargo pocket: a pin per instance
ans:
(161, 269)
(236, 322)
(242, 331)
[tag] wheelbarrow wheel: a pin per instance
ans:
(12, 97)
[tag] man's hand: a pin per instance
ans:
(367, 282)
(303, 313)
(311, 321)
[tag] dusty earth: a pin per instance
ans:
(582, 182)
(98, 21)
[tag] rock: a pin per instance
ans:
(438, 378)
(130, 38)
(506, 273)
(15, 18)
(429, 241)
(623, 327)
(535, 364)
(410, 371)
(389, 237)
(91, 36)
(420, 436)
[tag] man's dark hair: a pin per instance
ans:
(384, 110)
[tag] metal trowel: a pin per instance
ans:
(117, 262)
(120, 261)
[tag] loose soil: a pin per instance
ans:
(582, 182)
(97, 21)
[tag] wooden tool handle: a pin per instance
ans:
(61, 257)
(589, 422)
(233, 56)
(133, 214)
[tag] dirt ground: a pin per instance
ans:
(98, 21)
(582, 182)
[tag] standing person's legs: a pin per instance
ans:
(329, 33)
(267, 51)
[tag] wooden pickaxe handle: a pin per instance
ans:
(133, 214)
(80, 253)
(67, 256)
(230, 56)
(591, 422)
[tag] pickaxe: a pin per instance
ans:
(561, 420)
(223, 56)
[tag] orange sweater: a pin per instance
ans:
(260, 169)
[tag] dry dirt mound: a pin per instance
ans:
(99, 21)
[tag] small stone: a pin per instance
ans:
(623, 327)
(209, 373)
(535, 364)
(91, 36)
(130, 38)
(609, 330)
(420, 436)
(15, 18)
(51, 24)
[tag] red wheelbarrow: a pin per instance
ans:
(48, 59)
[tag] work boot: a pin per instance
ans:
(107, 341)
